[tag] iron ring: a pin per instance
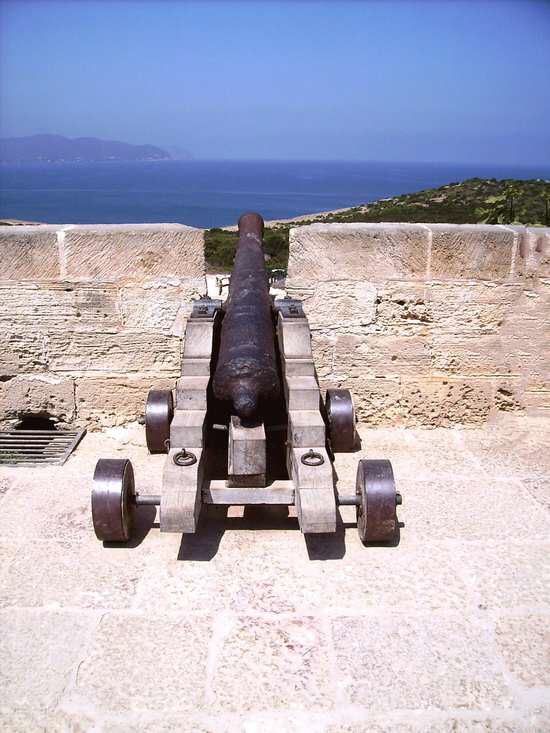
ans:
(311, 458)
(184, 458)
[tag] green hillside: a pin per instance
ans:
(475, 201)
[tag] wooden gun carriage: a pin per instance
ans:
(248, 424)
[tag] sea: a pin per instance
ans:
(214, 193)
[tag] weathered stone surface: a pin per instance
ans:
(534, 252)
(476, 251)
(371, 252)
(131, 653)
(29, 252)
(475, 308)
(46, 394)
(342, 304)
(507, 581)
(247, 626)
(261, 660)
(152, 353)
(431, 401)
(414, 662)
(50, 307)
(380, 355)
(39, 653)
(23, 350)
(133, 251)
(114, 400)
(476, 355)
(403, 306)
(524, 642)
(105, 584)
(160, 305)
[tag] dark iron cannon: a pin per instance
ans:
(246, 374)
(246, 424)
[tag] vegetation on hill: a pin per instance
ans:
(475, 201)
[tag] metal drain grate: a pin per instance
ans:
(38, 447)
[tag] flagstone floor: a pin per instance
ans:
(248, 627)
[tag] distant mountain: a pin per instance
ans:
(56, 148)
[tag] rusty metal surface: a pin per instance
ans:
(113, 499)
(341, 420)
(246, 374)
(375, 488)
(159, 412)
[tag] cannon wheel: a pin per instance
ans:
(341, 420)
(113, 499)
(159, 412)
(376, 514)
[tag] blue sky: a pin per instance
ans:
(464, 81)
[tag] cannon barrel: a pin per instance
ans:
(246, 374)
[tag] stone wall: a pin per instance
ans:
(428, 324)
(92, 316)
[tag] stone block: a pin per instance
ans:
(302, 393)
(445, 402)
(524, 643)
(381, 355)
(473, 307)
(306, 428)
(246, 454)
(159, 305)
(299, 367)
(23, 350)
(534, 252)
(338, 305)
(191, 393)
(455, 503)
(39, 652)
(518, 573)
(261, 661)
(376, 400)
(476, 355)
(133, 252)
(77, 351)
(195, 367)
(104, 399)
(47, 307)
(180, 503)
(364, 252)
(29, 253)
(106, 583)
(440, 662)
(45, 394)
(119, 675)
(198, 339)
(403, 306)
(431, 401)
(471, 251)
(187, 428)
(294, 338)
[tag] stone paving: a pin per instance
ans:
(248, 627)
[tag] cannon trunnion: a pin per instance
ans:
(248, 424)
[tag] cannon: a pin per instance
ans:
(247, 424)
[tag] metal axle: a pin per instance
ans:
(154, 500)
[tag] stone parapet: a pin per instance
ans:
(428, 324)
(92, 317)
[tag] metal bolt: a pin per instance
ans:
(398, 499)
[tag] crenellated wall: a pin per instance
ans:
(428, 324)
(91, 317)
